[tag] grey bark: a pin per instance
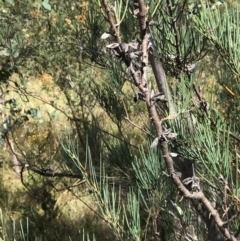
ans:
(160, 77)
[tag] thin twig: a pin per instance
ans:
(132, 123)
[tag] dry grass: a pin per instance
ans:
(72, 214)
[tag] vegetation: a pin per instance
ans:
(130, 105)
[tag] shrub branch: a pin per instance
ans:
(163, 142)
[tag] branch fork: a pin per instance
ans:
(161, 140)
